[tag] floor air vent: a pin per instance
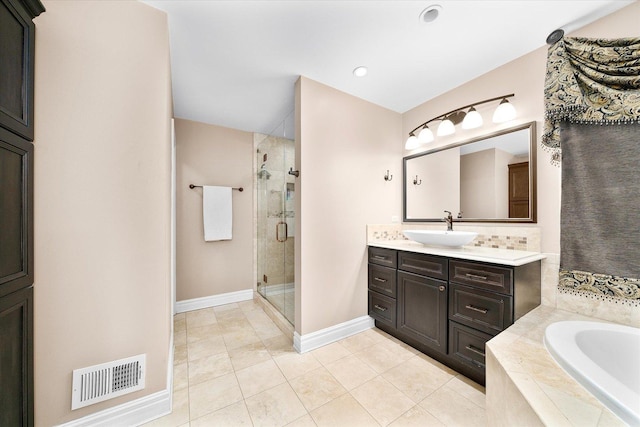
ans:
(106, 381)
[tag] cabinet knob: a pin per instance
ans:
(441, 288)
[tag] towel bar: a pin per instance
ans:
(240, 189)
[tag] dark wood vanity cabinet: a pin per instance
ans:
(17, 55)
(448, 308)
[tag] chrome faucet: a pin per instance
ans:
(449, 220)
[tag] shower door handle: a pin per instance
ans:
(286, 231)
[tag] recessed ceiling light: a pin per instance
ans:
(360, 71)
(431, 13)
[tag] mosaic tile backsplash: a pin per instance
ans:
(518, 243)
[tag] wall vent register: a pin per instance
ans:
(108, 380)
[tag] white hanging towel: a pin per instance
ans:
(217, 213)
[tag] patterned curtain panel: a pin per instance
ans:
(590, 81)
(600, 211)
(590, 85)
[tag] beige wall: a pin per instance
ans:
(102, 197)
(344, 146)
(212, 155)
(524, 77)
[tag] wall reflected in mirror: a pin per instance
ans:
(486, 179)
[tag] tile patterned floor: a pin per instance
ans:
(234, 367)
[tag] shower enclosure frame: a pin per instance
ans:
(274, 223)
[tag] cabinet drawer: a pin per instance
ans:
(468, 346)
(382, 309)
(493, 278)
(383, 280)
(487, 311)
(425, 265)
(382, 256)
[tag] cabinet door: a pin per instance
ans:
(519, 190)
(16, 213)
(422, 310)
(16, 68)
(16, 358)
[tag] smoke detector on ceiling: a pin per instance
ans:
(430, 14)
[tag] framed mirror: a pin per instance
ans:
(491, 178)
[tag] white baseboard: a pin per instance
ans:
(132, 413)
(308, 342)
(213, 300)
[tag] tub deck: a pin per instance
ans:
(525, 386)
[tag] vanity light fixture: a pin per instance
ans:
(425, 135)
(412, 142)
(470, 119)
(505, 112)
(446, 127)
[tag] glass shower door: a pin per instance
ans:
(276, 224)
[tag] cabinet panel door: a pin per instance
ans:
(16, 68)
(16, 358)
(16, 213)
(422, 309)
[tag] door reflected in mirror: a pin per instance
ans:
(486, 179)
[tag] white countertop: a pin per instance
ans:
(473, 253)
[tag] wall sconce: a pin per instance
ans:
(470, 119)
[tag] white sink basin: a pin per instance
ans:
(441, 237)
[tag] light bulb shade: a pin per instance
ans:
(425, 136)
(472, 120)
(505, 112)
(412, 143)
(446, 127)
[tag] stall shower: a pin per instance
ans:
(275, 222)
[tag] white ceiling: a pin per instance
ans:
(235, 63)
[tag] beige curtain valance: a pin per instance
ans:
(591, 81)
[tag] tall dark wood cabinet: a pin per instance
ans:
(17, 53)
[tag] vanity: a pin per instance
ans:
(432, 292)
(448, 302)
